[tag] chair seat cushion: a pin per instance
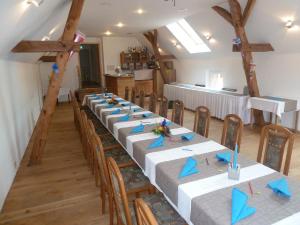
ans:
(134, 178)
(119, 155)
(108, 141)
(162, 210)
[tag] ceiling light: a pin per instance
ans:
(108, 33)
(140, 11)
(45, 38)
(289, 24)
(207, 36)
(37, 3)
(120, 24)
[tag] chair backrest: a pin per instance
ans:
(202, 121)
(177, 113)
(153, 102)
(144, 215)
(101, 160)
(133, 95)
(163, 107)
(126, 93)
(232, 131)
(119, 192)
(272, 147)
(142, 99)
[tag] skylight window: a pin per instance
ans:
(187, 36)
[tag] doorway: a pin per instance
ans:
(90, 76)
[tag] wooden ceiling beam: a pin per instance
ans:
(264, 47)
(237, 19)
(152, 37)
(248, 10)
(48, 58)
(40, 134)
(224, 13)
(46, 46)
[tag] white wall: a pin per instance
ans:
(20, 104)
(277, 74)
(112, 47)
(70, 79)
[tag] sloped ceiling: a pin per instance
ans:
(20, 21)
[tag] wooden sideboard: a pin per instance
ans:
(117, 84)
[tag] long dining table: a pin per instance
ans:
(204, 198)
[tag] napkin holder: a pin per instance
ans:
(234, 173)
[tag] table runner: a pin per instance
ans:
(188, 195)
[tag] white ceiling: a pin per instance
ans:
(264, 25)
(101, 15)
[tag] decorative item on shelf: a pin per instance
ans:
(162, 129)
(118, 70)
(234, 168)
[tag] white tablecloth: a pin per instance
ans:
(219, 103)
(267, 105)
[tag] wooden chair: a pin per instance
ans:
(202, 121)
(272, 147)
(177, 112)
(142, 99)
(87, 141)
(163, 107)
(126, 93)
(134, 178)
(125, 213)
(232, 131)
(153, 103)
(133, 95)
(144, 215)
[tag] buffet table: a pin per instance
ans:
(204, 197)
(220, 103)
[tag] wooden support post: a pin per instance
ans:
(152, 38)
(54, 86)
(238, 20)
(46, 46)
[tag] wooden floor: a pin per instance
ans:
(61, 191)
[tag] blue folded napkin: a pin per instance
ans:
(116, 111)
(108, 106)
(240, 210)
(138, 129)
(158, 142)
(188, 137)
(97, 97)
(137, 110)
(189, 168)
(125, 103)
(280, 187)
(224, 157)
(124, 118)
(102, 101)
(146, 115)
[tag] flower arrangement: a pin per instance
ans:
(162, 129)
(113, 101)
